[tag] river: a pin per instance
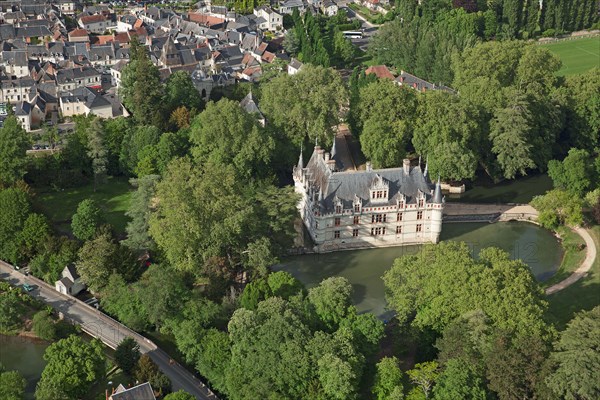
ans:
(364, 268)
(26, 356)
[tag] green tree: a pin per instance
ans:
(576, 359)
(11, 311)
(43, 326)
(12, 385)
(388, 379)
(510, 133)
(425, 286)
(147, 371)
(140, 208)
(424, 376)
(97, 150)
(34, 234)
(123, 301)
(100, 257)
(127, 355)
(254, 293)
(448, 133)
(180, 91)
(50, 135)
(13, 147)
(133, 146)
(225, 134)
(306, 104)
(459, 380)
(15, 207)
(558, 207)
(387, 117)
(583, 93)
(284, 285)
(86, 220)
(331, 300)
(74, 364)
(179, 395)
(574, 174)
(141, 89)
(334, 375)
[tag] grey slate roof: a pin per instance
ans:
(348, 184)
(248, 103)
(139, 392)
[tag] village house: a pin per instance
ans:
(97, 23)
(84, 101)
(273, 21)
(140, 392)
(344, 209)
(69, 282)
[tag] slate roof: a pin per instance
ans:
(346, 185)
(69, 75)
(139, 392)
(89, 96)
(249, 105)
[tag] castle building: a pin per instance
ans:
(346, 209)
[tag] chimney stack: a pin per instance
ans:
(368, 166)
(406, 166)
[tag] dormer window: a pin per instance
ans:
(338, 209)
(379, 190)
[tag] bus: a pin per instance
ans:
(353, 34)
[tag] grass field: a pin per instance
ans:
(520, 190)
(113, 197)
(582, 295)
(577, 55)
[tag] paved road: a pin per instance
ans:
(108, 330)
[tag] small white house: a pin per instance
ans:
(70, 282)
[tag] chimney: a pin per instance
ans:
(406, 166)
(368, 166)
(326, 156)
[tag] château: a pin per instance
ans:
(347, 209)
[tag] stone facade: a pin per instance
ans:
(369, 208)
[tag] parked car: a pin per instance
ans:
(27, 287)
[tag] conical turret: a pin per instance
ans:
(437, 193)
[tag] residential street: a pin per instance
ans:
(106, 329)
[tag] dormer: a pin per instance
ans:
(357, 204)
(337, 204)
(401, 201)
(420, 199)
(380, 190)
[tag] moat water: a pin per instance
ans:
(364, 268)
(26, 356)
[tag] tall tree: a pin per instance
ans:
(15, 207)
(576, 359)
(127, 355)
(574, 174)
(12, 385)
(140, 208)
(74, 364)
(460, 380)
(225, 134)
(86, 220)
(180, 91)
(97, 150)
(447, 132)
(510, 132)
(388, 379)
(305, 105)
(13, 147)
(387, 116)
(141, 89)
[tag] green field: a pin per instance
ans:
(113, 197)
(577, 55)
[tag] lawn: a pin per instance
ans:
(113, 197)
(577, 55)
(573, 257)
(582, 295)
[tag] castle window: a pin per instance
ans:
(401, 204)
(355, 232)
(378, 218)
(378, 231)
(421, 202)
(399, 217)
(338, 209)
(356, 220)
(419, 214)
(316, 224)
(336, 234)
(337, 222)
(398, 229)
(419, 228)
(357, 208)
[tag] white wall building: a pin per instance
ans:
(370, 208)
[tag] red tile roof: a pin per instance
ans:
(380, 71)
(91, 19)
